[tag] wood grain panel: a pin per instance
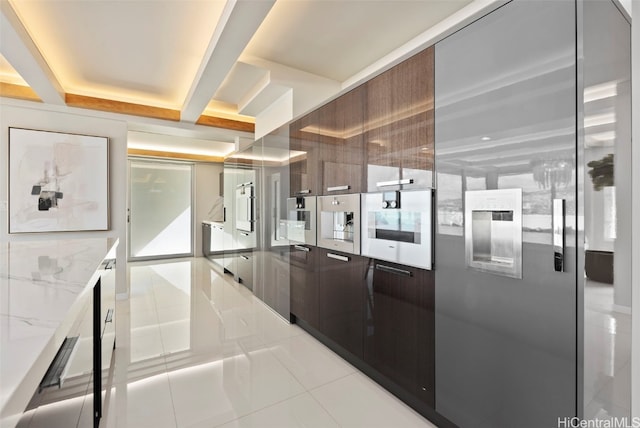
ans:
(221, 122)
(173, 155)
(399, 123)
(10, 90)
(112, 106)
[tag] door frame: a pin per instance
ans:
(131, 159)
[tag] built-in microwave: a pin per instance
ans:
(397, 227)
(301, 220)
(245, 207)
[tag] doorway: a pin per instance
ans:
(160, 213)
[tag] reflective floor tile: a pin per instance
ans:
(356, 401)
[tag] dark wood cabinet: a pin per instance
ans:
(400, 326)
(340, 125)
(341, 292)
(303, 276)
(304, 166)
(399, 124)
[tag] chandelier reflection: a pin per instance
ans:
(553, 173)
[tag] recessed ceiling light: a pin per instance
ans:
(485, 138)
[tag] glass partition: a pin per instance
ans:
(161, 221)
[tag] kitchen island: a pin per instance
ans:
(45, 288)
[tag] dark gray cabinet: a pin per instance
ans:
(399, 326)
(305, 296)
(399, 125)
(340, 140)
(341, 297)
(304, 166)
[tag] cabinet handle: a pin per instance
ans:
(394, 182)
(558, 234)
(301, 248)
(244, 234)
(337, 188)
(109, 317)
(249, 183)
(56, 372)
(338, 257)
(244, 257)
(303, 192)
(393, 270)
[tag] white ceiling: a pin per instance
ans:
(200, 56)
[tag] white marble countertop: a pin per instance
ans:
(43, 287)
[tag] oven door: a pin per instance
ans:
(402, 234)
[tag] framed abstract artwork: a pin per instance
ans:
(57, 182)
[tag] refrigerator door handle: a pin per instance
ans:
(558, 234)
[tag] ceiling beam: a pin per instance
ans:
(18, 91)
(81, 101)
(221, 122)
(19, 49)
(239, 21)
(174, 155)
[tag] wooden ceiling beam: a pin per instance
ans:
(174, 155)
(20, 92)
(112, 106)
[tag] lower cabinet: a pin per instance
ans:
(341, 297)
(399, 329)
(381, 312)
(72, 391)
(303, 278)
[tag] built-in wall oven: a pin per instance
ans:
(339, 223)
(245, 207)
(397, 227)
(301, 220)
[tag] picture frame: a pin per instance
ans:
(58, 182)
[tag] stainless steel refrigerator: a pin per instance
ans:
(509, 243)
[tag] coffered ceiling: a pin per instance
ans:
(216, 62)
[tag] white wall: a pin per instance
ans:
(208, 200)
(22, 114)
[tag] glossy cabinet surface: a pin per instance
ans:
(304, 166)
(340, 140)
(399, 327)
(341, 288)
(399, 125)
(305, 304)
(506, 119)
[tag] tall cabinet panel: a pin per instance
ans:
(274, 244)
(304, 153)
(506, 119)
(399, 128)
(340, 125)
(399, 329)
(341, 294)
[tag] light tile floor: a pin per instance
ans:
(195, 349)
(607, 355)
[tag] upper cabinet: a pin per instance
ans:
(304, 156)
(399, 125)
(340, 125)
(378, 134)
